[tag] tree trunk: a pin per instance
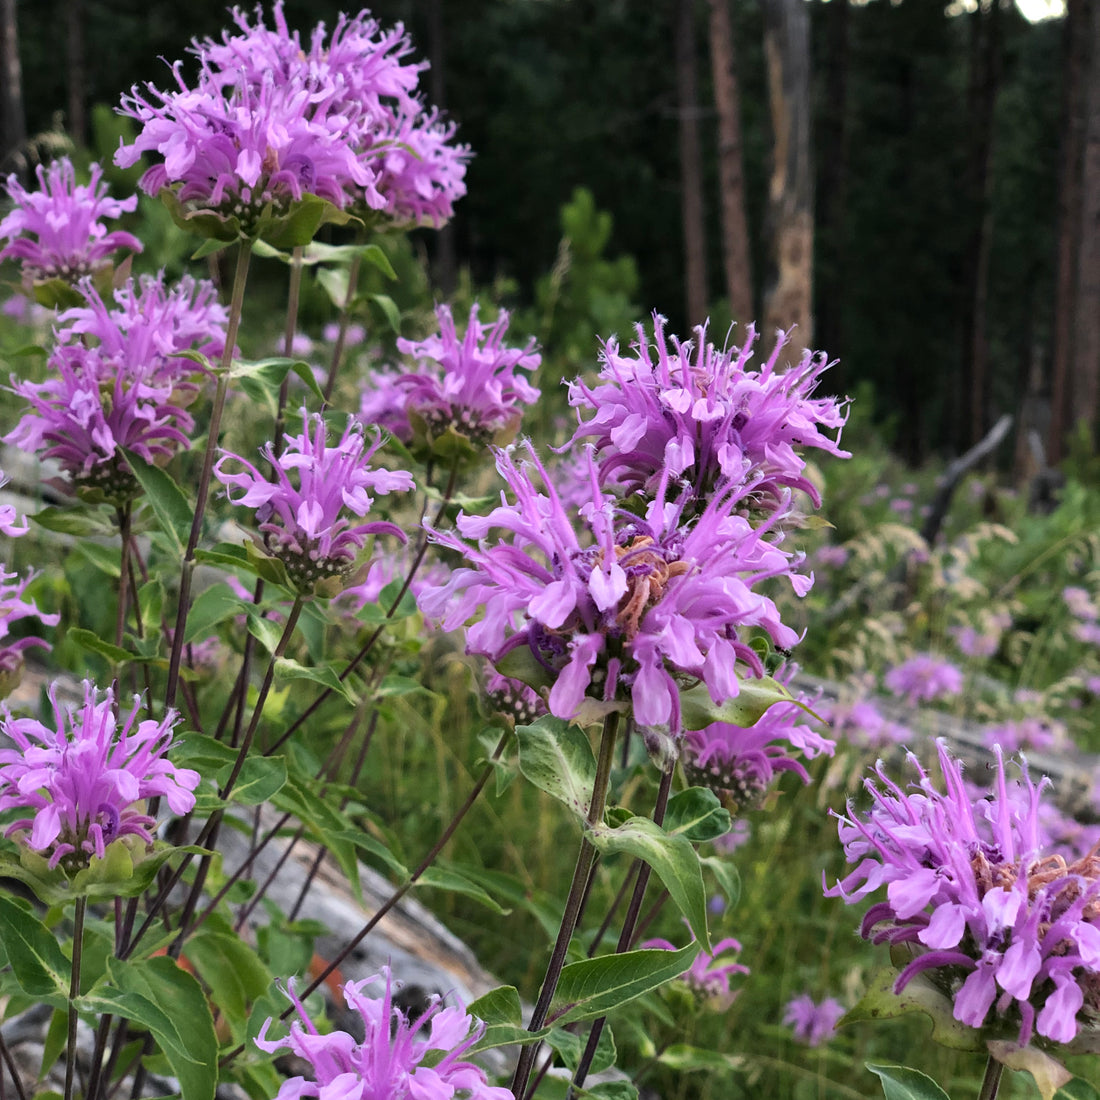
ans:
(691, 167)
(1085, 391)
(727, 102)
(1075, 55)
(982, 95)
(829, 272)
(791, 192)
(74, 37)
(14, 133)
(446, 260)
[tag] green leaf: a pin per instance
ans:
(609, 1090)
(233, 972)
(1077, 1089)
(172, 509)
(453, 878)
(325, 675)
(262, 378)
(299, 226)
(213, 606)
(684, 1058)
(92, 642)
(260, 778)
(697, 814)
(265, 631)
(502, 1013)
(673, 859)
(157, 995)
(595, 987)
(78, 519)
(880, 1002)
(558, 759)
(389, 310)
(36, 959)
(202, 752)
(753, 699)
(203, 222)
(104, 558)
(570, 1046)
(209, 247)
(727, 876)
(902, 1083)
(374, 256)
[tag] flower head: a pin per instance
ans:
(813, 1023)
(11, 523)
(740, 763)
(304, 519)
(14, 607)
(924, 677)
(85, 780)
(700, 414)
(1008, 931)
(398, 1058)
(118, 381)
(613, 606)
(711, 973)
(57, 232)
(469, 386)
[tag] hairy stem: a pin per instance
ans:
(577, 889)
(74, 992)
(187, 567)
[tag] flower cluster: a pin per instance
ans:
(710, 973)
(12, 608)
(629, 608)
(57, 232)
(924, 677)
(1009, 932)
(85, 781)
(118, 381)
(740, 763)
(304, 524)
(399, 1057)
(813, 1023)
(269, 120)
(694, 412)
(468, 385)
(11, 523)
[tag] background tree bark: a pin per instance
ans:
(1075, 51)
(791, 191)
(691, 166)
(1085, 390)
(12, 119)
(731, 175)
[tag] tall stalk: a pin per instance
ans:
(991, 1083)
(74, 992)
(187, 567)
(586, 858)
(345, 316)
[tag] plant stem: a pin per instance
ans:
(294, 292)
(122, 515)
(577, 888)
(345, 316)
(74, 992)
(627, 934)
(187, 567)
(992, 1080)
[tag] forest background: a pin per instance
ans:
(915, 186)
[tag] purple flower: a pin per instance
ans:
(14, 607)
(813, 1023)
(118, 381)
(982, 639)
(1079, 601)
(693, 411)
(382, 404)
(57, 232)
(613, 606)
(513, 698)
(740, 763)
(710, 974)
(470, 385)
(1009, 932)
(85, 781)
(11, 523)
(862, 723)
(1037, 732)
(924, 677)
(236, 147)
(398, 1058)
(303, 519)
